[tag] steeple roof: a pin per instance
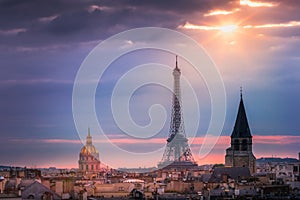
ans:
(176, 62)
(89, 138)
(241, 127)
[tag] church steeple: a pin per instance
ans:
(240, 153)
(241, 127)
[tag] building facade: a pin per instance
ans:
(89, 156)
(240, 154)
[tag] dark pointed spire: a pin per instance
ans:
(241, 127)
(241, 91)
(176, 64)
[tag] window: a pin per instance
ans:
(244, 145)
(236, 145)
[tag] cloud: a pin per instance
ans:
(221, 140)
(35, 81)
(233, 27)
(276, 139)
(224, 28)
(220, 12)
(12, 31)
(46, 141)
(48, 19)
(60, 22)
(279, 25)
(84, 21)
(93, 8)
(251, 3)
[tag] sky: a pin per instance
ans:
(254, 44)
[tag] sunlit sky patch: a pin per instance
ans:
(257, 3)
(254, 44)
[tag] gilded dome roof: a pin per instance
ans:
(89, 149)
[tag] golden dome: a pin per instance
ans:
(89, 149)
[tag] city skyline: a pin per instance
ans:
(254, 44)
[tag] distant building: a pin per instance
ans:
(240, 153)
(89, 156)
(286, 170)
(222, 174)
(37, 190)
(19, 172)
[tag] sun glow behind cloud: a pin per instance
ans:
(220, 12)
(233, 27)
(228, 28)
(256, 3)
(280, 25)
(224, 28)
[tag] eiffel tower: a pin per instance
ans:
(177, 153)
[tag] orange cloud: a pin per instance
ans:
(233, 27)
(225, 28)
(212, 158)
(221, 140)
(256, 3)
(280, 25)
(220, 12)
(276, 139)
(135, 141)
